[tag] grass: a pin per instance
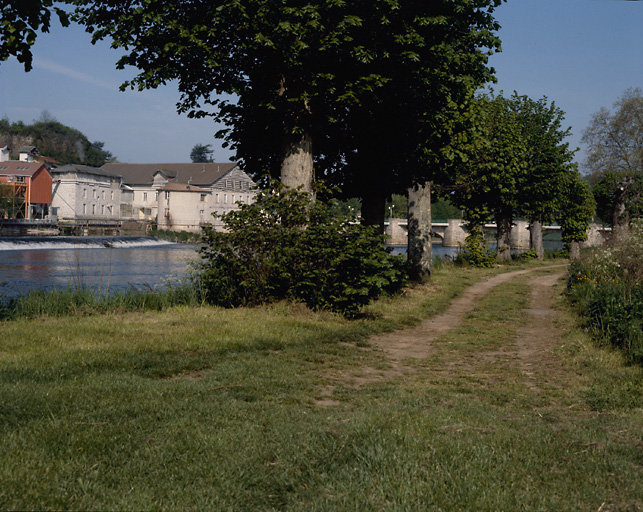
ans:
(197, 407)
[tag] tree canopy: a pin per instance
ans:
(20, 23)
(302, 72)
(201, 153)
(615, 138)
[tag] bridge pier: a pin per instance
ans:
(454, 233)
(520, 238)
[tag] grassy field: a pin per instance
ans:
(205, 408)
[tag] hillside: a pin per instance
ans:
(53, 139)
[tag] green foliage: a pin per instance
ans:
(201, 153)
(285, 247)
(443, 209)
(53, 139)
(529, 254)
(19, 25)
(607, 286)
(397, 206)
(576, 207)
(475, 252)
(612, 188)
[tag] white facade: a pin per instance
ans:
(85, 193)
(187, 208)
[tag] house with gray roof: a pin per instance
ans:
(82, 193)
(166, 192)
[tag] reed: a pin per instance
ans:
(84, 301)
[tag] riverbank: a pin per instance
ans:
(268, 408)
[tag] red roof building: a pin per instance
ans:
(28, 189)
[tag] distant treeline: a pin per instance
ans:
(53, 139)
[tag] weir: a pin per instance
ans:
(78, 242)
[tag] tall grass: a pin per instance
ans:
(82, 300)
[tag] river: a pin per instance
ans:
(100, 263)
(103, 264)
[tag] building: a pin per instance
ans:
(28, 188)
(85, 193)
(182, 196)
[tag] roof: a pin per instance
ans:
(86, 169)
(17, 168)
(203, 174)
(184, 187)
(28, 149)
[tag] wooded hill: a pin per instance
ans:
(53, 139)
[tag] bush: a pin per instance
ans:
(284, 246)
(475, 252)
(607, 287)
(527, 255)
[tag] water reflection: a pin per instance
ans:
(103, 269)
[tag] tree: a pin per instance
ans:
(548, 160)
(201, 153)
(615, 139)
(19, 25)
(280, 60)
(615, 159)
(488, 182)
(619, 198)
(576, 210)
(298, 69)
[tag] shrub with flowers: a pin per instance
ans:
(607, 287)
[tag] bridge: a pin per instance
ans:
(453, 232)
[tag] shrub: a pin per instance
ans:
(284, 246)
(607, 287)
(529, 254)
(475, 252)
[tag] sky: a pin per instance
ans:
(582, 54)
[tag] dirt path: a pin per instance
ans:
(415, 343)
(533, 339)
(537, 338)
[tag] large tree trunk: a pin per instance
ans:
(536, 238)
(503, 235)
(574, 250)
(419, 250)
(297, 165)
(374, 207)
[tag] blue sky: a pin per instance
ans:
(582, 54)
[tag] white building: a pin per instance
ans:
(183, 196)
(81, 192)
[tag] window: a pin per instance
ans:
(94, 194)
(201, 213)
(167, 212)
(144, 196)
(217, 198)
(112, 195)
(167, 194)
(232, 198)
(202, 197)
(94, 208)
(84, 193)
(84, 209)
(248, 199)
(102, 209)
(103, 195)
(225, 198)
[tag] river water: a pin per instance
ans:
(102, 264)
(99, 263)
